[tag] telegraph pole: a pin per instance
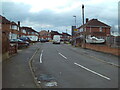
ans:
(83, 26)
(83, 13)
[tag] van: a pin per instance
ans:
(56, 39)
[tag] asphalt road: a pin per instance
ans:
(72, 67)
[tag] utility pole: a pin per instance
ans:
(83, 13)
(83, 26)
(75, 28)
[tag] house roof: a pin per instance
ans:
(3, 20)
(43, 32)
(66, 34)
(94, 23)
(13, 23)
(55, 33)
(28, 29)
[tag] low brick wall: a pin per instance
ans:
(12, 49)
(106, 49)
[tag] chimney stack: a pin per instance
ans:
(18, 23)
(87, 20)
(19, 29)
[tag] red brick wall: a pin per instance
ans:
(5, 42)
(106, 49)
(97, 29)
(6, 27)
(15, 31)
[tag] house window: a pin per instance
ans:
(10, 35)
(81, 30)
(28, 32)
(14, 36)
(33, 33)
(24, 31)
(100, 29)
(14, 27)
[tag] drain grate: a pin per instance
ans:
(46, 77)
(47, 80)
(51, 84)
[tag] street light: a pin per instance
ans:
(75, 19)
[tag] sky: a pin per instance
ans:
(58, 15)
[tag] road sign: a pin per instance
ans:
(75, 30)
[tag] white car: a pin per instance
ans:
(56, 39)
(94, 40)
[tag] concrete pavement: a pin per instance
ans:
(16, 72)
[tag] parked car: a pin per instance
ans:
(20, 43)
(25, 39)
(44, 40)
(94, 40)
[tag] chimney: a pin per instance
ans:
(87, 20)
(19, 28)
(19, 23)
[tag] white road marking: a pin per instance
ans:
(63, 56)
(92, 71)
(41, 56)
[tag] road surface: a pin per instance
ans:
(72, 67)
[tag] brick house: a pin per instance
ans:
(52, 33)
(94, 27)
(65, 36)
(5, 24)
(4, 29)
(14, 31)
(11, 28)
(9, 31)
(29, 32)
(45, 35)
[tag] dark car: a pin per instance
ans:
(20, 43)
(44, 40)
(25, 39)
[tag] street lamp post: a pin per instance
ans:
(75, 19)
(75, 28)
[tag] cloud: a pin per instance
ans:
(15, 11)
(58, 14)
